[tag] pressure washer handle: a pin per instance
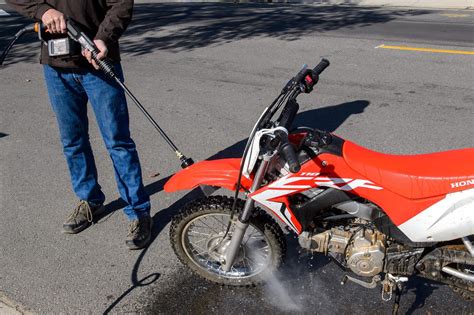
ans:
(79, 36)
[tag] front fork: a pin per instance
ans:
(243, 221)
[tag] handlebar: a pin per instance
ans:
(310, 78)
(288, 152)
(288, 114)
(306, 79)
(322, 65)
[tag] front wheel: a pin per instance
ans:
(196, 236)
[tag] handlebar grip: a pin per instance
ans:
(288, 153)
(322, 65)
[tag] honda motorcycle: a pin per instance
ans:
(381, 217)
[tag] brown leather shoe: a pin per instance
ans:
(139, 233)
(82, 217)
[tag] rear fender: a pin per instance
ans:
(219, 173)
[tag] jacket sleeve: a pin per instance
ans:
(117, 18)
(31, 8)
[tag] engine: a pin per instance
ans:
(360, 249)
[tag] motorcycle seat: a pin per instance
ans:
(414, 176)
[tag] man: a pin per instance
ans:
(72, 81)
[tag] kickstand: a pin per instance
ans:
(398, 295)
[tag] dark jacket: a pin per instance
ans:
(100, 19)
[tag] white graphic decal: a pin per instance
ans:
(284, 181)
(264, 197)
(288, 185)
(463, 183)
(350, 184)
(448, 219)
(345, 184)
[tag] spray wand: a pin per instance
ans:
(106, 66)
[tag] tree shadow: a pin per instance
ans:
(2, 135)
(187, 26)
(320, 117)
(179, 27)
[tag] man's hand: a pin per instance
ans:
(103, 52)
(54, 21)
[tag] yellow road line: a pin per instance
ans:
(443, 51)
(455, 15)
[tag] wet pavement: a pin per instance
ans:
(307, 284)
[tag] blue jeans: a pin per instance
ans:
(69, 91)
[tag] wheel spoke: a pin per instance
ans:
(218, 221)
(204, 245)
(196, 242)
(198, 233)
(210, 227)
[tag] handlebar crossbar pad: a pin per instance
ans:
(288, 114)
(289, 155)
(288, 152)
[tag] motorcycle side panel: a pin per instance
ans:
(221, 173)
(450, 218)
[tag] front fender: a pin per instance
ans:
(221, 173)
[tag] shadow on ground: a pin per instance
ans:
(327, 118)
(192, 26)
(186, 26)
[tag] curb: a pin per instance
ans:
(9, 307)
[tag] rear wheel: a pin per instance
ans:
(196, 236)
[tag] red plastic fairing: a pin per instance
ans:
(222, 173)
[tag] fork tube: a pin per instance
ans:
(243, 221)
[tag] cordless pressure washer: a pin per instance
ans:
(64, 46)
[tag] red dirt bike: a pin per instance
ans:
(383, 217)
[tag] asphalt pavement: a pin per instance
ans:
(205, 72)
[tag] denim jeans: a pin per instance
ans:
(69, 91)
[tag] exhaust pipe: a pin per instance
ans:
(458, 274)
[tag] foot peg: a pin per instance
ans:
(369, 285)
(391, 283)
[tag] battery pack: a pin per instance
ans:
(59, 47)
